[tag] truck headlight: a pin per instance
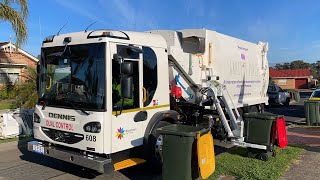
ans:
(36, 118)
(92, 127)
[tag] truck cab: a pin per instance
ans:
(98, 91)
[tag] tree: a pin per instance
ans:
(17, 18)
(299, 64)
(315, 69)
(282, 66)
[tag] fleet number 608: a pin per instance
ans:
(91, 138)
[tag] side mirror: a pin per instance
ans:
(127, 87)
(118, 58)
(127, 68)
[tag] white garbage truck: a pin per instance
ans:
(103, 93)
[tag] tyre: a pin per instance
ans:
(274, 154)
(154, 147)
(254, 109)
(287, 102)
(241, 111)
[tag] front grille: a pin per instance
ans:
(62, 136)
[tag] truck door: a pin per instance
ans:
(149, 97)
(126, 113)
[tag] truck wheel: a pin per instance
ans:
(241, 112)
(254, 109)
(155, 142)
(287, 102)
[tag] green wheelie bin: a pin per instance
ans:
(312, 112)
(179, 151)
(258, 128)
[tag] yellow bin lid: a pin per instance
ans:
(206, 159)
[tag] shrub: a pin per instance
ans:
(25, 93)
(7, 92)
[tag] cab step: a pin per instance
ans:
(128, 163)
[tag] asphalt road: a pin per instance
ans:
(18, 164)
(294, 113)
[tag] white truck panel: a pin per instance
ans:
(75, 126)
(241, 66)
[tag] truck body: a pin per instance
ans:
(103, 93)
(239, 64)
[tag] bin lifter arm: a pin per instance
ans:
(183, 74)
(235, 118)
(217, 104)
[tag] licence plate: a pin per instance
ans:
(38, 148)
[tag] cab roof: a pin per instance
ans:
(127, 37)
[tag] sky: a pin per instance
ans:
(291, 27)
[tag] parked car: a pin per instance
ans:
(278, 95)
(315, 95)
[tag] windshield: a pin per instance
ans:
(271, 89)
(73, 76)
(316, 94)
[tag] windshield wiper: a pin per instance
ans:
(77, 108)
(83, 111)
(44, 105)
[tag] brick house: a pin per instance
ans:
(291, 78)
(13, 63)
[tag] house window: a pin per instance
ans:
(282, 82)
(11, 78)
(3, 79)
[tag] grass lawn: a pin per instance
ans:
(235, 163)
(6, 104)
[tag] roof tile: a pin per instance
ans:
(289, 72)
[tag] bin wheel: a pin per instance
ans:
(263, 156)
(274, 154)
(155, 147)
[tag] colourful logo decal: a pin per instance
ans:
(243, 56)
(120, 133)
(155, 102)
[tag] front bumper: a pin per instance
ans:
(99, 164)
